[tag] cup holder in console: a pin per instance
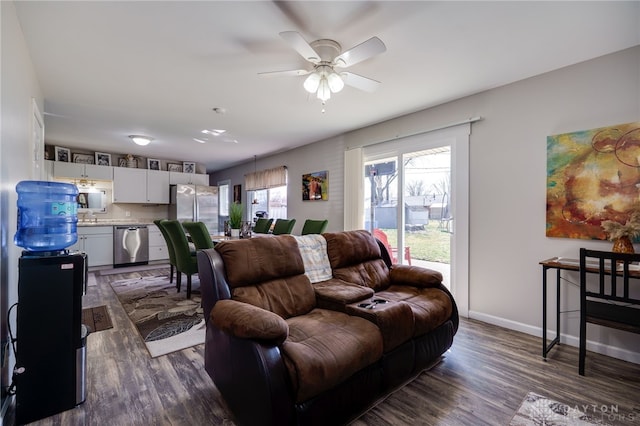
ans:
(373, 303)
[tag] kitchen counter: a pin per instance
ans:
(112, 223)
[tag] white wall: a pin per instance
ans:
(507, 183)
(326, 155)
(19, 85)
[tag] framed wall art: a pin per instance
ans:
(174, 167)
(315, 186)
(82, 158)
(103, 159)
(63, 154)
(188, 167)
(592, 177)
(153, 164)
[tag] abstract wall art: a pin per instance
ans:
(592, 176)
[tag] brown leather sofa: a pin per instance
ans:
(283, 350)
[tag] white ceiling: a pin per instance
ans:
(111, 69)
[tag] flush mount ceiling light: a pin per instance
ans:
(213, 132)
(141, 140)
(326, 55)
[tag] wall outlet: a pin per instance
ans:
(127, 213)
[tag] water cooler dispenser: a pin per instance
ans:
(51, 339)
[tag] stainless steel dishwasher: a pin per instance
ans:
(130, 245)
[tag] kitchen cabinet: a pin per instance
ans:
(62, 169)
(157, 245)
(140, 186)
(97, 242)
(176, 178)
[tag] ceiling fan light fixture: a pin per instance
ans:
(335, 82)
(324, 92)
(141, 140)
(312, 82)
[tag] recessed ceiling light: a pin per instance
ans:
(214, 132)
(141, 140)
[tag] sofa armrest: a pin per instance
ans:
(246, 321)
(415, 276)
(336, 294)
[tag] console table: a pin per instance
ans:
(560, 264)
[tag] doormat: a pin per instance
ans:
(539, 410)
(97, 318)
(166, 320)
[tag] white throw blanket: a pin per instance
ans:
(313, 249)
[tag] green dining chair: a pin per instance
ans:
(262, 226)
(314, 226)
(283, 226)
(185, 262)
(200, 235)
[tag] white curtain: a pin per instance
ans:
(353, 190)
(265, 179)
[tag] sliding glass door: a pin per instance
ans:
(414, 221)
(415, 195)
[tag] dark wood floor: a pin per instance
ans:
(480, 381)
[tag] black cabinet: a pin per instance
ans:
(51, 340)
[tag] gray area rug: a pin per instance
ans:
(166, 320)
(539, 410)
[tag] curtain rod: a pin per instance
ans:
(433, 129)
(445, 126)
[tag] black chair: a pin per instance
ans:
(608, 303)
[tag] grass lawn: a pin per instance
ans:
(432, 244)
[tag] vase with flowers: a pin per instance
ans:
(623, 235)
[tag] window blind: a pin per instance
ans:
(265, 179)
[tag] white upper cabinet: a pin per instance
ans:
(188, 178)
(140, 186)
(157, 187)
(62, 169)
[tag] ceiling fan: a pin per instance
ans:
(326, 55)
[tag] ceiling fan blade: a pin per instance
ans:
(360, 82)
(300, 45)
(365, 50)
(287, 73)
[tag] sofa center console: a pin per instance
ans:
(394, 319)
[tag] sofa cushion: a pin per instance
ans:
(372, 273)
(324, 348)
(286, 297)
(431, 307)
(340, 292)
(254, 260)
(355, 257)
(313, 250)
(415, 276)
(351, 247)
(249, 322)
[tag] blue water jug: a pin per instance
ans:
(47, 215)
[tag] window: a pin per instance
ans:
(268, 191)
(273, 201)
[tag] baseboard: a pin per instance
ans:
(612, 351)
